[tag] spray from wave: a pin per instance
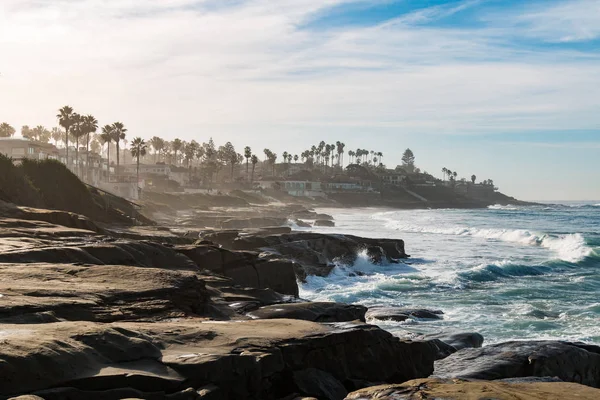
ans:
(570, 247)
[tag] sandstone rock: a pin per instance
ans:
(401, 314)
(255, 222)
(52, 292)
(244, 359)
(245, 268)
(314, 311)
(320, 384)
(324, 222)
(460, 389)
(571, 362)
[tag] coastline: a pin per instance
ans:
(206, 303)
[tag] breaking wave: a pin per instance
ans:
(571, 247)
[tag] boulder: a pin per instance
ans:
(460, 389)
(313, 311)
(324, 222)
(320, 384)
(245, 268)
(460, 340)
(302, 224)
(571, 362)
(401, 313)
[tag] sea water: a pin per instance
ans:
(507, 272)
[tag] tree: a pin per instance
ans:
(90, 125)
(176, 145)
(118, 134)
(26, 132)
(445, 172)
(138, 149)
(228, 155)
(106, 137)
(56, 135)
(455, 174)
(157, 144)
(340, 151)
(473, 179)
(254, 160)
(65, 119)
(296, 158)
(6, 130)
(408, 160)
(247, 155)
(77, 131)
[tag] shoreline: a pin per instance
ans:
(181, 308)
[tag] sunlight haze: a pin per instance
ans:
(506, 90)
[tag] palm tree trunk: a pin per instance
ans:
(253, 166)
(108, 162)
(137, 171)
(67, 144)
(247, 167)
(77, 157)
(87, 156)
(117, 171)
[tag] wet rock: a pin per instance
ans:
(402, 314)
(571, 362)
(324, 222)
(320, 384)
(313, 311)
(458, 389)
(461, 340)
(302, 224)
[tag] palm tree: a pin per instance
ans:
(118, 134)
(106, 137)
(138, 149)
(77, 132)
(296, 159)
(380, 155)
(65, 119)
(56, 135)
(473, 179)
(176, 145)
(254, 161)
(445, 172)
(90, 125)
(157, 144)
(455, 175)
(247, 155)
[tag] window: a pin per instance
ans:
(30, 150)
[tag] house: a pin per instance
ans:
(20, 148)
(393, 177)
(303, 188)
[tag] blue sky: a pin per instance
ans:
(507, 90)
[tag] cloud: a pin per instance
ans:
(562, 22)
(248, 68)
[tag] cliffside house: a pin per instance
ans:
(20, 148)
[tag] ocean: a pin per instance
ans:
(507, 272)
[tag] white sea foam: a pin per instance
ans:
(571, 247)
(501, 207)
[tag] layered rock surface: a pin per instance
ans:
(133, 312)
(421, 389)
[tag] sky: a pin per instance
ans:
(507, 90)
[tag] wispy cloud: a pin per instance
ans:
(177, 67)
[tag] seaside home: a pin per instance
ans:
(20, 148)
